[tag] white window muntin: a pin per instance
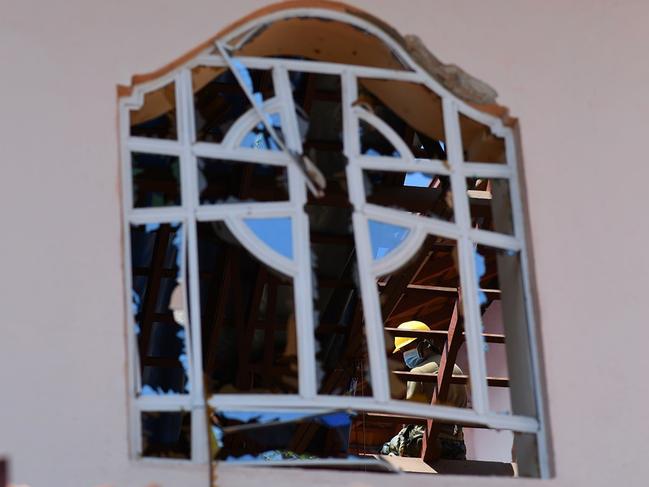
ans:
(190, 212)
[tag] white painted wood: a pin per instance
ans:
(402, 218)
(303, 285)
(286, 402)
(154, 146)
(371, 306)
(466, 260)
(401, 254)
(383, 163)
(247, 122)
(384, 129)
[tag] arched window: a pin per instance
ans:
(293, 193)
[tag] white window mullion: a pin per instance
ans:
(187, 134)
(302, 285)
(518, 217)
(486, 170)
(374, 333)
(466, 261)
(155, 146)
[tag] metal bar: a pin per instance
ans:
(454, 340)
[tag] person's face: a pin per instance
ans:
(408, 351)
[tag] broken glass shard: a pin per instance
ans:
(385, 237)
(260, 138)
(159, 310)
(274, 232)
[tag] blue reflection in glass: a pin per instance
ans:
(480, 270)
(274, 232)
(385, 237)
(418, 179)
(273, 435)
(259, 138)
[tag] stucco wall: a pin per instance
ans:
(575, 73)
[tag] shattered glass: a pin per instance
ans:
(158, 306)
(274, 232)
(248, 317)
(260, 138)
(297, 437)
(385, 237)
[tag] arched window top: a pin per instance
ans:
(338, 33)
(288, 204)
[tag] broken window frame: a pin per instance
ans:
(189, 212)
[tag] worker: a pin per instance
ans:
(423, 357)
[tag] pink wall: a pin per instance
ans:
(575, 73)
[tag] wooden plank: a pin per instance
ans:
(451, 292)
(488, 337)
(455, 379)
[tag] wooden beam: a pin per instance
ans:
(488, 337)
(430, 450)
(451, 292)
(455, 379)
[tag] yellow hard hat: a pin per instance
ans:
(400, 342)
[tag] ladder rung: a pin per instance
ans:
(455, 379)
(489, 337)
